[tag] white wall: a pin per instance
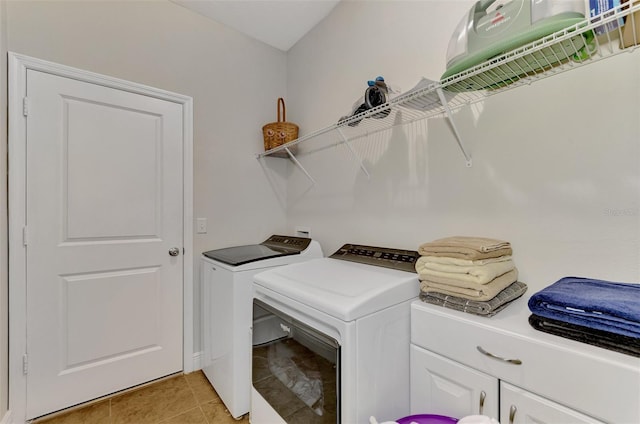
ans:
(4, 282)
(233, 79)
(556, 165)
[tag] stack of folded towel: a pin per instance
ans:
(471, 274)
(597, 312)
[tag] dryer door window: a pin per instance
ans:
(296, 369)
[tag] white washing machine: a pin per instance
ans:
(331, 339)
(227, 293)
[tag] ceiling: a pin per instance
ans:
(279, 23)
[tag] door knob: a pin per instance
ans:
(174, 251)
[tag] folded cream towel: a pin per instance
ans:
(466, 248)
(469, 290)
(466, 284)
(479, 274)
(465, 262)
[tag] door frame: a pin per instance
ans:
(18, 66)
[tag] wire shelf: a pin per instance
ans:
(570, 48)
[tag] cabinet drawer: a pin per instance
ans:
(518, 406)
(595, 381)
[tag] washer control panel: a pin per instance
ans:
(403, 260)
(287, 242)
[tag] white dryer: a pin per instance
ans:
(227, 293)
(331, 341)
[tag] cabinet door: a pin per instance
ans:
(519, 406)
(442, 386)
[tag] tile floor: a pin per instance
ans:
(180, 399)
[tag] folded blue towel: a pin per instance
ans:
(597, 304)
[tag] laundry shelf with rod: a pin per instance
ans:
(570, 48)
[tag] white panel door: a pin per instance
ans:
(442, 386)
(104, 208)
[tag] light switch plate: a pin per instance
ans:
(201, 225)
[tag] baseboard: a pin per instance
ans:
(197, 362)
(7, 418)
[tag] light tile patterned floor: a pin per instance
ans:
(183, 399)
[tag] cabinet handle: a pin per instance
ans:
(483, 396)
(491, 355)
(512, 413)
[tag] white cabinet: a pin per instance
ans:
(444, 387)
(455, 356)
(518, 406)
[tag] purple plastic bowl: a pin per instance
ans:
(427, 419)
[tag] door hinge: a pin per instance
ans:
(25, 236)
(25, 106)
(25, 364)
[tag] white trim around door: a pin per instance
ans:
(18, 67)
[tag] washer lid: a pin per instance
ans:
(273, 247)
(344, 290)
(239, 255)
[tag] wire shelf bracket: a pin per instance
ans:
(358, 159)
(461, 145)
(297, 162)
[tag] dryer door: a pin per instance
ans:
(296, 369)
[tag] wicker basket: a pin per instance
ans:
(278, 133)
